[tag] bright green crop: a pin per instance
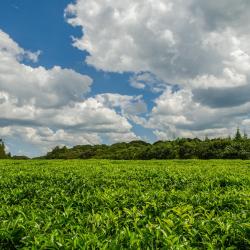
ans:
(101, 204)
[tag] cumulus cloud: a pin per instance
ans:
(177, 114)
(201, 46)
(90, 115)
(175, 40)
(47, 107)
(37, 86)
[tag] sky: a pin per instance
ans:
(78, 72)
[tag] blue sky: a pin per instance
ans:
(137, 70)
(51, 34)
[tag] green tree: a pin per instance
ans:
(238, 135)
(3, 154)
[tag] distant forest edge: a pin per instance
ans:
(237, 147)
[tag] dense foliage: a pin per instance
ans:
(220, 148)
(100, 204)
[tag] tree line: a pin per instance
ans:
(237, 147)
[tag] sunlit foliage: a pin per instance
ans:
(101, 204)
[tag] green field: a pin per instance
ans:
(100, 204)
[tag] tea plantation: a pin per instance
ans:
(101, 204)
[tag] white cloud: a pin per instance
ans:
(37, 86)
(47, 107)
(201, 46)
(229, 78)
(177, 114)
(176, 40)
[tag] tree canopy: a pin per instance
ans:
(237, 147)
(180, 148)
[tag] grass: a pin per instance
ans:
(100, 204)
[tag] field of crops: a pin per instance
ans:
(99, 204)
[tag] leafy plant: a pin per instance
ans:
(102, 204)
